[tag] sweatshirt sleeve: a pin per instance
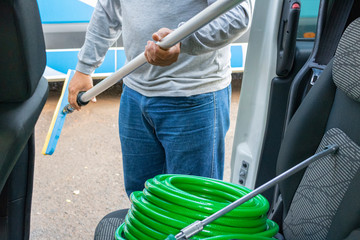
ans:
(103, 30)
(219, 32)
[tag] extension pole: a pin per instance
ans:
(198, 226)
(195, 23)
(63, 108)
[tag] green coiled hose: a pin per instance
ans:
(171, 202)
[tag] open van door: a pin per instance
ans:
(291, 43)
(281, 40)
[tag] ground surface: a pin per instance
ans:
(82, 181)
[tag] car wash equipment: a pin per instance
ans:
(179, 207)
(199, 20)
(57, 122)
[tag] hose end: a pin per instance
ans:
(171, 237)
(68, 109)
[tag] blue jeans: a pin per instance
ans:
(180, 135)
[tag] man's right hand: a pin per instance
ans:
(79, 82)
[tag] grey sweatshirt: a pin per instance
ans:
(204, 61)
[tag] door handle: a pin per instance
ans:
(287, 37)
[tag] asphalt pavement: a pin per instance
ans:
(83, 181)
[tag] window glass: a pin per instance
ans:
(308, 18)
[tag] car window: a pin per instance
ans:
(308, 18)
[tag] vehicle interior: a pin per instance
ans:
(296, 112)
(300, 93)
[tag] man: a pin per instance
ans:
(174, 112)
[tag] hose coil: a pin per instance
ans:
(169, 203)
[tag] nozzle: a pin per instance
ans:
(69, 109)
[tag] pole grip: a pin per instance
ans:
(79, 101)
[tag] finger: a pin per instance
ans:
(93, 100)
(72, 99)
(159, 57)
(150, 52)
(165, 55)
(146, 53)
(156, 37)
(161, 33)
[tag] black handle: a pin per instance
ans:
(287, 37)
(79, 101)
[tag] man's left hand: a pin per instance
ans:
(155, 55)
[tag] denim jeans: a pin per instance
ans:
(178, 135)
